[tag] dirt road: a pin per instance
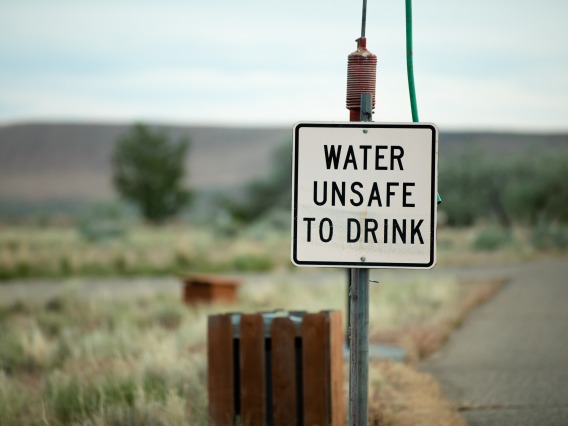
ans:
(508, 365)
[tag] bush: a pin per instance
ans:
(104, 222)
(539, 192)
(253, 263)
(550, 237)
(264, 195)
(530, 188)
(11, 352)
(493, 238)
(149, 171)
(473, 186)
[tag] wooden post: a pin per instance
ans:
(253, 381)
(315, 361)
(220, 371)
(284, 372)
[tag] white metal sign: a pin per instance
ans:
(364, 195)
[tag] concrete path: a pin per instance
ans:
(508, 365)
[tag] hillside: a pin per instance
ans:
(71, 162)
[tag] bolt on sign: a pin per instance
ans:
(364, 195)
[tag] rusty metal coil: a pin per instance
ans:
(361, 75)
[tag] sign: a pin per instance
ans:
(364, 195)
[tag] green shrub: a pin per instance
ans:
(149, 171)
(11, 351)
(253, 263)
(71, 402)
(539, 192)
(263, 195)
(463, 185)
(155, 386)
(550, 237)
(492, 238)
(120, 392)
(74, 401)
(103, 222)
(530, 188)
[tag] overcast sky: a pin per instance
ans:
(483, 64)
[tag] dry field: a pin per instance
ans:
(71, 360)
(40, 252)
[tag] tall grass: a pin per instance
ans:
(76, 361)
(62, 252)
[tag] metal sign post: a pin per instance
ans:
(359, 347)
(359, 306)
(359, 324)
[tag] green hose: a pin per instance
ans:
(409, 62)
(410, 70)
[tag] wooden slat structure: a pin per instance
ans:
(266, 370)
(253, 370)
(220, 370)
(337, 415)
(315, 362)
(284, 374)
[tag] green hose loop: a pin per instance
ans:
(410, 70)
(410, 63)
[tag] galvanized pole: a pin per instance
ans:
(361, 68)
(359, 324)
(359, 348)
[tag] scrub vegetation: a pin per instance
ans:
(34, 252)
(73, 360)
(57, 252)
(523, 188)
(508, 209)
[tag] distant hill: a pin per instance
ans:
(71, 162)
(43, 162)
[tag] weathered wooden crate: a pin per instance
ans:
(275, 370)
(209, 289)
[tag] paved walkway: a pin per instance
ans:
(508, 365)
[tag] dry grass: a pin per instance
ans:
(71, 360)
(62, 252)
(401, 396)
(457, 247)
(98, 362)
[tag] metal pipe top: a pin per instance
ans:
(364, 19)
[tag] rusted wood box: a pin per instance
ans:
(267, 369)
(209, 289)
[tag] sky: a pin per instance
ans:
(479, 65)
